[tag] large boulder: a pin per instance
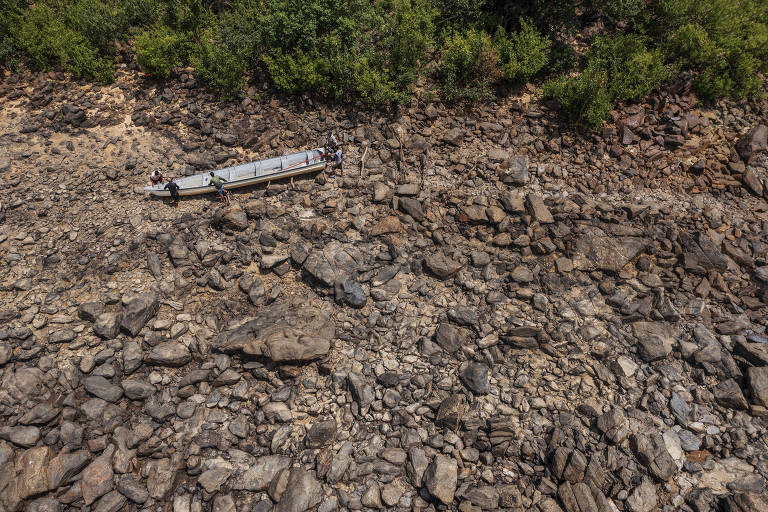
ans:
(441, 265)
(137, 311)
(231, 217)
(284, 331)
(169, 353)
(441, 478)
(302, 492)
(752, 142)
(332, 264)
(604, 252)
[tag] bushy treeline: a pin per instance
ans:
(378, 51)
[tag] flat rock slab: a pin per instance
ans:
(284, 331)
(604, 252)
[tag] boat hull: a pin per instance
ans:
(247, 174)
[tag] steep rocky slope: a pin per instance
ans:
(493, 312)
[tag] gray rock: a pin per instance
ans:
(752, 142)
(351, 293)
(231, 217)
(442, 266)
(652, 348)
(283, 331)
(212, 479)
(107, 325)
(259, 475)
(90, 311)
(169, 353)
(537, 209)
(758, 384)
(332, 264)
(688, 440)
(728, 394)
(485, 497)
(451, 411)
(340, 463)
(441, 477)
(43, 505)
(643, 498)
(652, 452)
(302, 492)
(517, 174)
(110, 502)
(412, 207)
(680, 409)
(321, 433)
(21, 436)
(40, 414)
(137, 311)
(97, 477)
(451, 338)
(132, 357)
(604, 252)
(614, 425)
(65, 466)
(475, 377)
(136, 389)
(102, 388)
(361, 389)
(454, 136)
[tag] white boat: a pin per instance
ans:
(247, 174)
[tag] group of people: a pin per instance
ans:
(333, 155)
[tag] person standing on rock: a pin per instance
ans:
(218, 182)
(173, 188)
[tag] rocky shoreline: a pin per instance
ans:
(493, 312)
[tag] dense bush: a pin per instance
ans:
(468, 66)
(159, 50)
(523, 53)
(377, 51)
(46, 40)
(724, 41)
(617, 68)
(584, 97)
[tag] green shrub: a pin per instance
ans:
(550, 16)
(159, 50)
(408, 36)
(725, 42)
(585, 97)
(221, 68)
(98, 21)
(141, 13)
(617, 68)
(621, 11)
(47, 41)
(633, 70)
(523, 53)
(691, 46)
(295, 73)
(10, 11)
(468, 66)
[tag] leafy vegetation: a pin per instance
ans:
(381, 52)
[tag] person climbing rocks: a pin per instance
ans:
(218, 182)
(156, 177)
(173, 188)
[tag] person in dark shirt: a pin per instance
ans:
(173, 188)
